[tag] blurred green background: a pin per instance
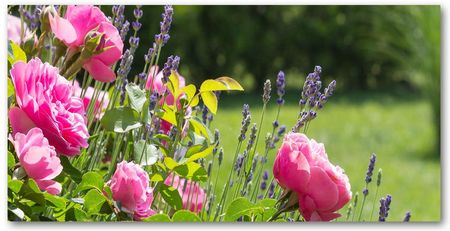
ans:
(386, 60)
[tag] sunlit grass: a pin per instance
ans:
(396, 127)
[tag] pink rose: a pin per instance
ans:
(46, 100)
(99, 106)
(38, 159)
(72, 30)
(130, 187)
(302, 166)
(13, 26)
(193, 195)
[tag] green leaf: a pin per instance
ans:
(240, 207)
(156, 177)
(189, 90)
(76, 214)
(136, 96)
(168, 115)
(157, 218)
(73, 172)
(31, 191)
(170, 163)
(173, 84)
(15, 185)
(145, 154)
(11, 160)
(199, 127)
(201, 154)
(193, 149)
(230, 83)
(212, 85)
(15, 53)
(210, 101)
(185, 216)
(93, 201)
(90, 180)
(55, 201)
(269, 208)
(171, 196)
(120, 120)
(192, 171)
(11, 89)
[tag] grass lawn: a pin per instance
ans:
(397, 127)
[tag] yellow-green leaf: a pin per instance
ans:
(15, 53)
(210, 101)
(199, 128)
(212, 85)
(170, 163)
(174, 84)
(195, 101)
(201, 154)
(169, 116)
(189, 90)
(230, 83)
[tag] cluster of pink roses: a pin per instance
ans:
(49, 116)
(302, 166)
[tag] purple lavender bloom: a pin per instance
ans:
(281, 83)
(167, 68)
(175, 63)
(263, 185)
(365, 191)
(370, 168)
(163, 37)
(124, 30)
(136, 25)
(407, 217)
(220, 156)
(137, 12)
(281, 130)
(245, 110)
(271, 190)
(153, 100)
(384, 208)
(267, 90)
(275, 124)
(265, 175)
(204, 114)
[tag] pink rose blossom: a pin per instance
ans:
(38, 159)
(46, 100)
(130, 187)
(72, 30)
(13, 26)
(100, 104)
(302, 166)
(193, 195)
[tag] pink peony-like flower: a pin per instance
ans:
(72, 30)
(14, 29)
(130, 187)
(46, 100)
(302, 166)
(38, 159)
(101, 102)
(193, 195)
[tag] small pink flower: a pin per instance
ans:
(155, 83)
(302, 166)
(193, 195)
(100, 104)
(130, 187)
(13, 26)
(46, 100)
(72, 30)
(38, 159)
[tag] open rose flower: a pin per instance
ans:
(100, 104)
(193, 195)
(302, 166)
(130, 187)
(46, 100)
(72, 30)
(38, 159)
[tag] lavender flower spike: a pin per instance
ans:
(281, 83)
(267, 90)
(407, 217)
(369, 173)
